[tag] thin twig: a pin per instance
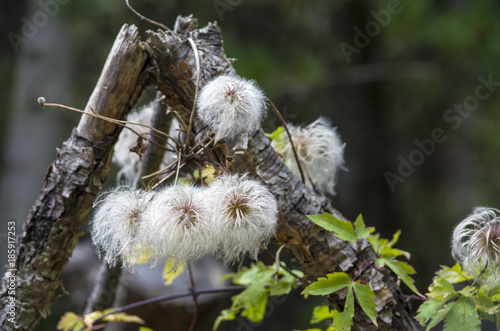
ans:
(198, 73)
(195, 299)
(142, 17)
(282, 120)
(170, 297)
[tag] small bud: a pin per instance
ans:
(320, 151)
(116, 223)
(476, 245)
(41, 101)
(230, 106)
(244, 215)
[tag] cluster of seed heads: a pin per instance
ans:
(320, 152)
(229, 219)
(476, 245)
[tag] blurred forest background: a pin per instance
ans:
(395, 89)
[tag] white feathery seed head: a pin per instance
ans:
(178, 225)
(320, 151)
(230, 106)
(116, 222)
(476, 245)
(128, 161)
(244, 214)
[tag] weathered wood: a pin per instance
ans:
(71, 183)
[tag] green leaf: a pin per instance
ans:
(321, 313)
(454, 274)
(342, 229)
(69, 322)
(365, 297)
(462, 316)
(384, 247)
(362, 231)
(343, 321)
(225, 315)
(143, 328)
(253, 299)
(169, 274)
(441, 288)
(403, 270)
(440, 315)
(285, 283)
(324, 286)
(255, 312)
(123, 317)
(428, 310)
(486, 304)
(276, 134)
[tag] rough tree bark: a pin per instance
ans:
(71, 183)
(167, 60)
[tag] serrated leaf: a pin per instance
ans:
(255, 312)
(69, 322)
(395, 239)
(366, 298)
(332, 283)
(441, 288)
(321, 313)
(342, 229)
(428, 310)
(462, 316)
(486, 304)
(402, 270)
(343, 321)
(169, 274)
(225, 315)
(440, 315)
(362, 231)
(454, 274)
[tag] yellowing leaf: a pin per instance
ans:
(69, 322)
(208, 174)
(321, 313)
(169, 274)
(123, 317)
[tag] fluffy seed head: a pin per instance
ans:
(178, 225)
(476, 244)
(320, 151)
(116, 222)
(244, 214)
(128, 161)
(230, 106)
(41, 101)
